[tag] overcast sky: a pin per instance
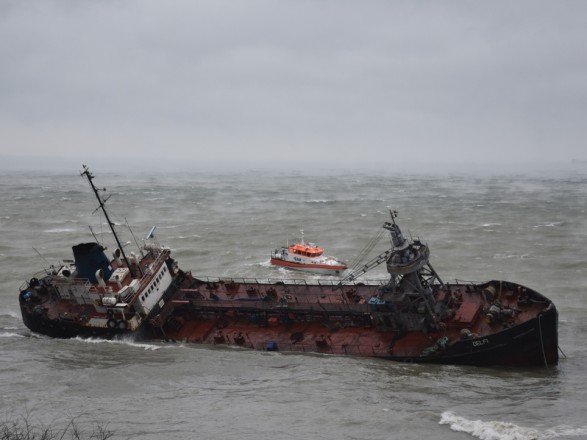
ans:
(294, 81)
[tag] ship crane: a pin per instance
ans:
(381, 258)
(398, 242)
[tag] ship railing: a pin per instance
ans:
(78, 288)
(40, 274)
(457, 281)
(290, 281)
(305, 305)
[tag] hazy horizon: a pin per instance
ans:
(311, 84)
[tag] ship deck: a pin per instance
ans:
(326, 318)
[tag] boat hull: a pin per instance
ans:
(322, 269)
(63, 328)
(532, 343)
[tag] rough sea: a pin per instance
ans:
(530, 228)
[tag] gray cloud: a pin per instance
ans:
(347, 82)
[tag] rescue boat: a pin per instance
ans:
(307, 257)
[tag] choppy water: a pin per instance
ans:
(531, 229)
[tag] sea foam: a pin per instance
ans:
(127, 342)
(497, 430)
(10, 335)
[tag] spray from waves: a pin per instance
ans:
(496, 430)
(126, 342)
(266, 263)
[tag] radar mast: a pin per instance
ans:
(89, 176)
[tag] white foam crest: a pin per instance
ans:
(130, 343)
(10, 335)
(59, 230)
(266, 263)
(497, 430)
(548, 225)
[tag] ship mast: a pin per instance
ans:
(88, 175)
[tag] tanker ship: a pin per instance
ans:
(412, 316)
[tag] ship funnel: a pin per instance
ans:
(100, 278)
(89, 257)
(116, 255)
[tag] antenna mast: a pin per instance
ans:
(88, 175)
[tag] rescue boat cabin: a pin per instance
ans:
(305, 249)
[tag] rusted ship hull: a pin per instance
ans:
(333, 319)
(533, 343)
(338, 320)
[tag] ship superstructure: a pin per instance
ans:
(94, 295)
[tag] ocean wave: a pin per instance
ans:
(549, 225)
(128, 342)
(497, 430)
(505, 256)
(10, 335)
(58, 230)
(10, 313)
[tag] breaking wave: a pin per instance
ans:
(10, 335)
(128, 342)
(496, 430)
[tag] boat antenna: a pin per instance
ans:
(94, 235)
(44, 259)
(135, 238)
(89, 176)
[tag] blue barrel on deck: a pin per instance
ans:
(89, 257)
